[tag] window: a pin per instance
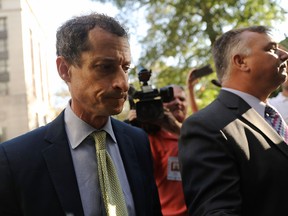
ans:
(4, 73)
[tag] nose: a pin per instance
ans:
(121, 80)
(283, 55)
(177, 101)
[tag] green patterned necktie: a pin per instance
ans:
(109, 182)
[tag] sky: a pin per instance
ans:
(53, 13)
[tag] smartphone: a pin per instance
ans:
(203, 71)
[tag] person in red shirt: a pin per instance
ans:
(163, 136)
(164, 146)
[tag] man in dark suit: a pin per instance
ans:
(232, 161)
(53, 169)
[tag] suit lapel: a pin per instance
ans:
(251, 117)
(254, 118)
(60, 166)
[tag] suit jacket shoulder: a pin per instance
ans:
(227, 154)
(38, 173)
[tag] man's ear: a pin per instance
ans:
(240, 62)
(63, 69)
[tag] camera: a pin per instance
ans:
(149, 101)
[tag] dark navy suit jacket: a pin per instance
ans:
(233, 162)
(37, 176)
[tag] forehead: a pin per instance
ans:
(255, 38)
(178, 91)
(106, 43)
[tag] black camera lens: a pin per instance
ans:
(149, 110)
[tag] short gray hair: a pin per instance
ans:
(229, 44)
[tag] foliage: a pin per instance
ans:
(181, 32)
(284, 43)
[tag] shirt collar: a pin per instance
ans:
(77, 129)
(282, 97)
(254, 102)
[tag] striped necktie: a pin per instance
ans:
(112, 193)
(277, 122)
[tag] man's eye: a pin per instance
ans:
(126, 68)
(106, 67)
(274, 49)
(112, 68)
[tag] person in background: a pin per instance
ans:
(193, 78)
(280, 102)
(232, 161)
(190, 83)
(163, 136)
(53, 170)
(164, 146)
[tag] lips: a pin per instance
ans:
(176, 109)
(282, 66)
(121, 96)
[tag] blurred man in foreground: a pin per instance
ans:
(232, 161)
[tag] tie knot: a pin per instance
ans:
(100, 139)
(270, 111)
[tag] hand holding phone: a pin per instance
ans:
(204, 71)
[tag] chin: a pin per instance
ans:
(114, 108)
(179, 118)
(284, 78)
(116, 111)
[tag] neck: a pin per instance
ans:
(285, 93)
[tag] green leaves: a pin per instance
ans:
(181, 33)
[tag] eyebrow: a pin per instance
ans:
(270, 45)
(273, 44)
(109, 59)
(104, 58)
